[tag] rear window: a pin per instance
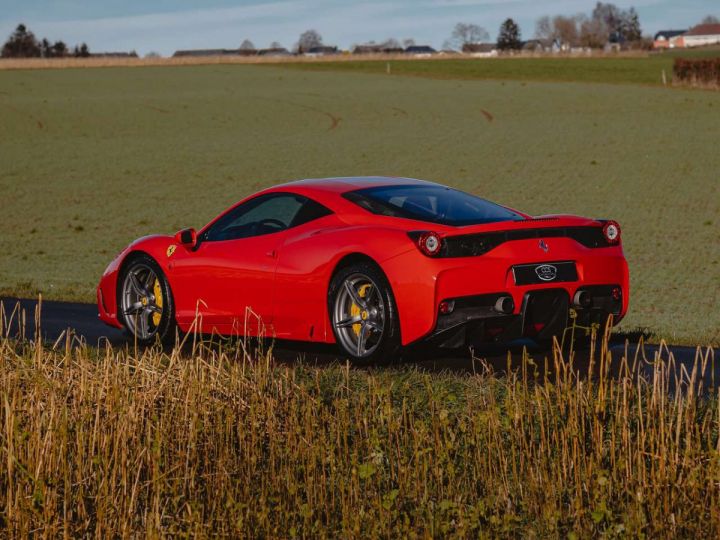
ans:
(435, 204)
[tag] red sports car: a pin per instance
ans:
(372, 264)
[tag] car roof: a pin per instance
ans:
(350, 183)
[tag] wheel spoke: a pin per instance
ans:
(136, 308)
(136, 285)
(142, 320)
(348, 322)
(377, 327)
(149, 281)
(354, 295)
(152, 308)
(361, 342)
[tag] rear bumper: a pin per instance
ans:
(542, 314)
(421, 283)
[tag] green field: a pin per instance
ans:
(91, 159)
(645, 70)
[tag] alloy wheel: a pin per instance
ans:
(359, 315)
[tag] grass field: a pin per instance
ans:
(640, 68)
(212, 444)
(90, 159)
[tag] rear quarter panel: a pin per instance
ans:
(306, 265)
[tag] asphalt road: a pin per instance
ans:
(58, 317)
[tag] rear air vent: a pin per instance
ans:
(470, 245)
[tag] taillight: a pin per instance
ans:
(429, 243)
(611, 231)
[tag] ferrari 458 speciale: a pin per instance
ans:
(372, 264)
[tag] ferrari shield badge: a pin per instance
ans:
(171, 250)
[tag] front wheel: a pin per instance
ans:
(146, 306)
(363, 315)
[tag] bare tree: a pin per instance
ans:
(710, 19)
(544, 28)
(565, 30)
(309, 39)
(276, 45)
(247, 45)
(630, 27)
(464, 33)
(391, 43)
(153, 54)
(593, 33)
(606, 23)
(408, 42)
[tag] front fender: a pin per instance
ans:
(155, 246)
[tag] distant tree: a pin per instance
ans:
(593, 33)
(509, 36)
(710, 19)
(630, 27)
(21, 44)
(610, 15)
(408, 42)
(308, 40)
(464, 33)
(153, 54)
(81, 51)
(59, 49)
(606, 23)
(391, 43)
(247, 45)
(276, 45)
(567, 30)
(45, 48)
(617, 25)
(544, 28)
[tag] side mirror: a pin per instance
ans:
(187, 238)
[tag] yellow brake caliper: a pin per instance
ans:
(355, 310)
(157, 291)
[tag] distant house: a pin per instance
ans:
(275, 51)
(131, 54)
(368, 48)
(480, 49)
(541, 45)
(247, 52)
(700, 35)
(667, 39)
(208, 52)
(420, 50)
(321, 50)
(376, 48)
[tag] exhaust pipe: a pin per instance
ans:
(582, 299)
(505, 305)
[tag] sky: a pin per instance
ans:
(164, 26)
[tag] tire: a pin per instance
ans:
(363, 315)
(145, 302)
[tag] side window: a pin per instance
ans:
(310, 211)
(266, 214)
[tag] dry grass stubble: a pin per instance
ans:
(224, 442)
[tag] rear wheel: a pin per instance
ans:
(363, 315)
(146, 305)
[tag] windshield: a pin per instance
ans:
(433, 203)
